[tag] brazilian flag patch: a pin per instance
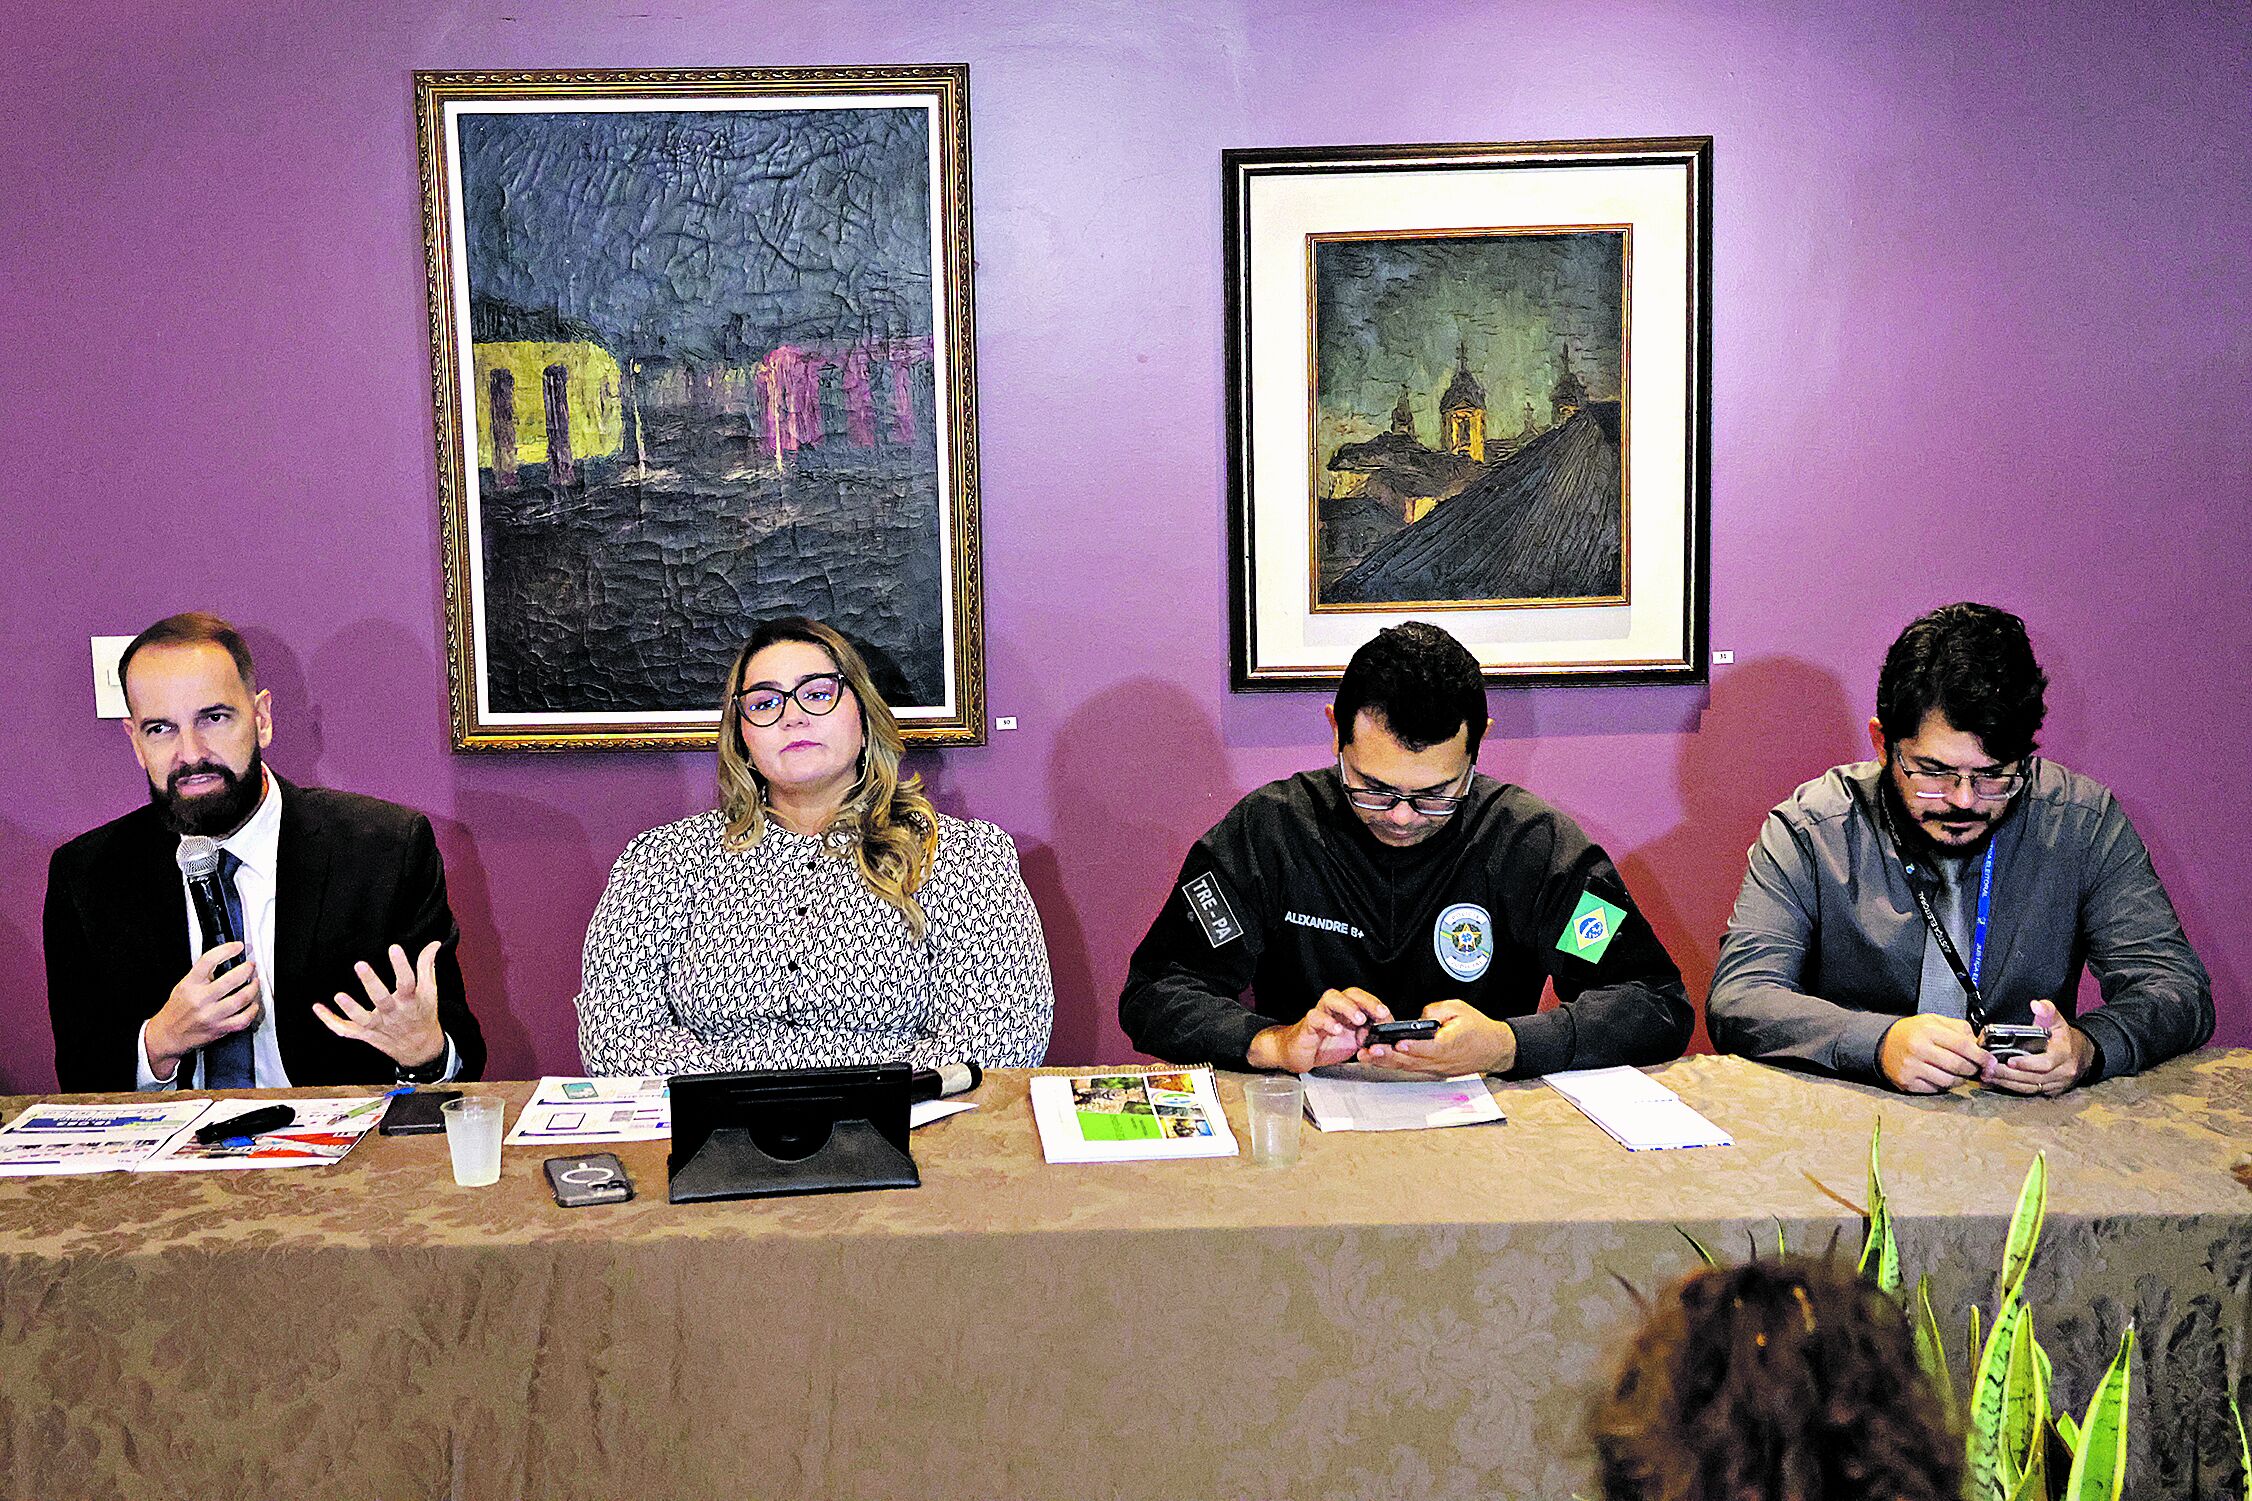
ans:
(1594, 924)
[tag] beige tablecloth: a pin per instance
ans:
(1405, 1314)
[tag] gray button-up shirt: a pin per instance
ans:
(1825, 950)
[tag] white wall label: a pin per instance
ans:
(1005, 722)
(109, 693)
(1723, 659)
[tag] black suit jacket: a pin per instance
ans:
(356, 875)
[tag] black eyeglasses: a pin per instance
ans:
(1987, 787)
(1384, 799)
(762, 703)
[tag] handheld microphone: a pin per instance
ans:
(944, 1080)
(199, 862)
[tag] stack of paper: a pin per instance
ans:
(1130, 1117)
(1640, 1113)
(1343, 1102)
(159, 1137)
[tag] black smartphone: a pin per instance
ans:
(597, 1178)
(2006, 1042)
(417, 1114)
(1413, 1030)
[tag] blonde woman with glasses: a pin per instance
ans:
(825, 912)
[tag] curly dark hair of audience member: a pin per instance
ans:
(1417, 681)
(1784, 1380)
(1974, 664)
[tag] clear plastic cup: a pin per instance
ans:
(473, 1125)
(1275, 1104)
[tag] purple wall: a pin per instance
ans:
(1980, 331)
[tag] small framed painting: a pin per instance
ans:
(1469, 384)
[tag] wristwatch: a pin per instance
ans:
(424, 1073)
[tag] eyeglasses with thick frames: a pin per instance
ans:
(1987, 787)
(761, 704)
(1385, 799)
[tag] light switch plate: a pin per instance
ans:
(109, 693)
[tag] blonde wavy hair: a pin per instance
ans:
(892, 827)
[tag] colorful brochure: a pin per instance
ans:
(1130, 1117)
(47, 1139)
(579, 1109)
(325, 1129)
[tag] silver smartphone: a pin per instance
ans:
(2007, 1042)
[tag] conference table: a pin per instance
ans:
(1395, 1314)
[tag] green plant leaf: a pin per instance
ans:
(2025, 1228)
(2099, 1464)
(2069, 1431)
(1931, 1346)
(1696, 1245)
(1880, 1253)
(2243, 1444)
(1989, 1394)
(1782, 1247)
(2024, 1411)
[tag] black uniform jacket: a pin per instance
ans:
(1290, 895)
(355, 875)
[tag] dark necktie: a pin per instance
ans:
(227, 1061)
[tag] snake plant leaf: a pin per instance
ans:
(2243, 1444)
(2025, 1409)
(2069, 1431)
(1931, 1347)
(1696, 1245)
(1977, 1351)
(2025, 1227)
(2024, 1414)
(1880, 1253)
(1989, 1395)
(2099, 1464)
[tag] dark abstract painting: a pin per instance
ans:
(1466, 419)
(706, 377)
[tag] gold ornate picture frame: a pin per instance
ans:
(1469, 383)
(702, 353)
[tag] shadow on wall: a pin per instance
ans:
(1772, 724)
(513, 866)
(29, 1066)
(1136, 776)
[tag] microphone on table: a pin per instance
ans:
(199, 862)
(946, 1079)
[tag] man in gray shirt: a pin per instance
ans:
(1896, 907)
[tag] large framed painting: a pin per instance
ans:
(701, 353)
(1469, 384)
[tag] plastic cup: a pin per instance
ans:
(1276, 1104)
(473, 1125)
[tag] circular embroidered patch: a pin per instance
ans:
(1463, 939)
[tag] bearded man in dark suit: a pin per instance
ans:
(346, 973)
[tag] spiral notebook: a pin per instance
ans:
(1128, 1116)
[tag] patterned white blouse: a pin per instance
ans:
(701, 959)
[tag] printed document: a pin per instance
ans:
(1351, 1101)
(47, 1139)
(1640, 1113)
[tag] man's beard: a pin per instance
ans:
(216, 814)
(1915, 840)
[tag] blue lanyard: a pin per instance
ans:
(1985, 907)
